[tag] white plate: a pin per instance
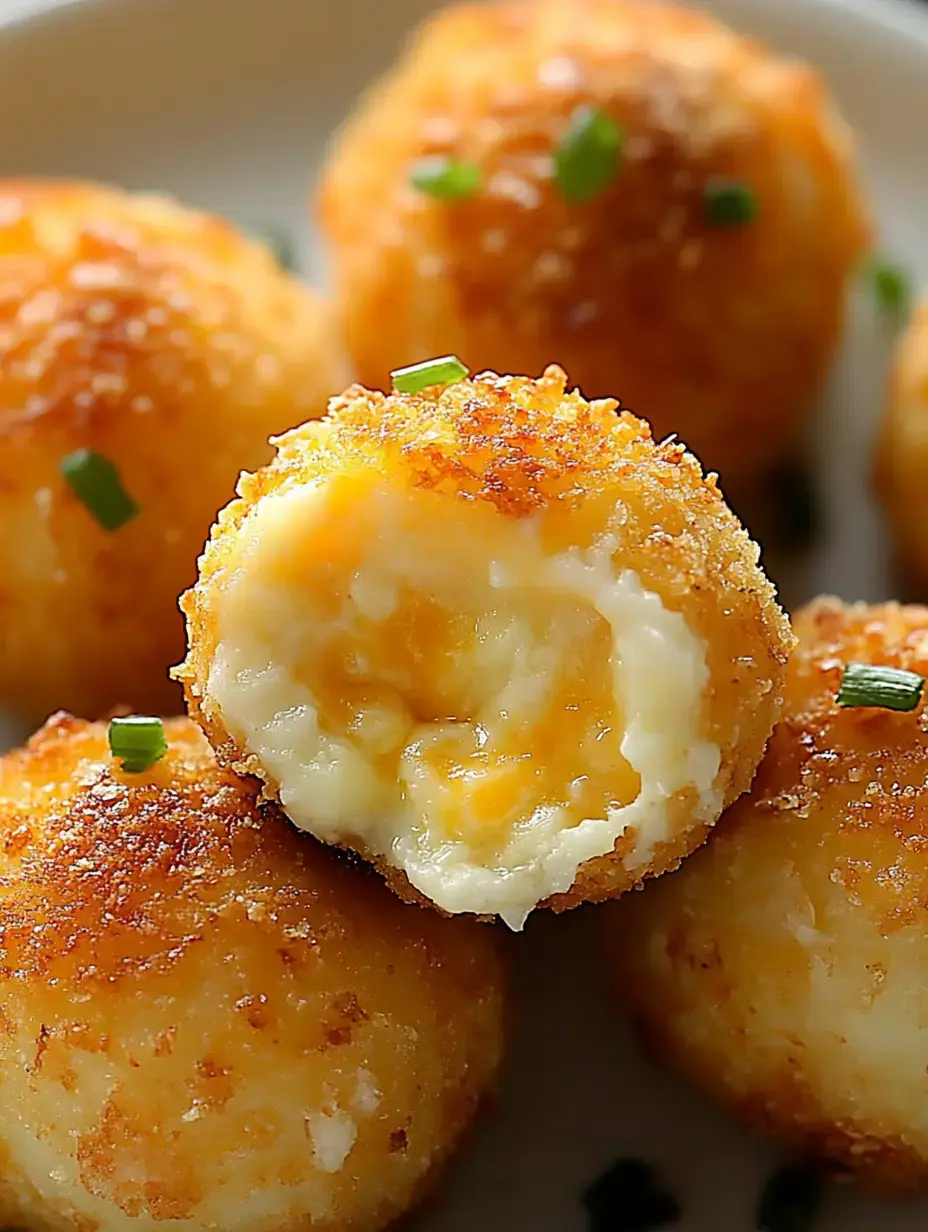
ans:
(227, 103)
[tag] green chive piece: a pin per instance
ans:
(790, 1200)
(416, 377)
(890, 688)
(138, 742)
(629, 1197)
(729, 203)
(95, 482)
(278, 243)
(589, 157)
(891, 286)
(448, 178)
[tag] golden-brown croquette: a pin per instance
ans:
(169, 344)
(783, 968)
(902, 454)
(721, 333)
(492, 637)
(209, 1020)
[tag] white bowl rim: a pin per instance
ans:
(906, 18)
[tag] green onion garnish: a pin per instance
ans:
(891, 287)
(278, 243)
(95, 482)
(729, 203)
(416, 377)
(790, 1200)
(629, 1197)
(589, 156)
(448, 178)
(891, 688)
(138, 741)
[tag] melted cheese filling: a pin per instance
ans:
(440, 685)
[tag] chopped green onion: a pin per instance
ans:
(891, 688)
(729, 203)
(891, 287)
(416, 377)
(589, 156)
(95, 482)
(279, 244)
(448, 178)
(629, 1197)
(138, 741)
(790, 1200)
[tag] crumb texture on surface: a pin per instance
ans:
(720, 334)
(782, 967)
(164, 340)
(210, 1021)
(532, 458)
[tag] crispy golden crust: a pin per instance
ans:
(719, 334)
(166, 341)
(599, 880)
(528, 445)
(206, 1016)
(902, 454)
(783, 967)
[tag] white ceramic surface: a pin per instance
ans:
(227, 103)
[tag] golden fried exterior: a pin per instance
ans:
(209, 1019)
(165, 341)
(531, 449)
(719, 333)
(902, 453)
(783, 968)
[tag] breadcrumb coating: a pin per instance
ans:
(719, 333)
(210, 1020)
(782, 968)
(167, 342)
(542, 458)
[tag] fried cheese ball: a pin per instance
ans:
(482, 202)
(491, 637)
(784, 968)
(902, 455)
(172, 347)
(209, 1020)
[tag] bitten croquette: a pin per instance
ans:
(701, 273)
(209, 1020)
(492, 637)
(169, 345)
(783, 967)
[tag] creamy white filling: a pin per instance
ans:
(329, 781)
